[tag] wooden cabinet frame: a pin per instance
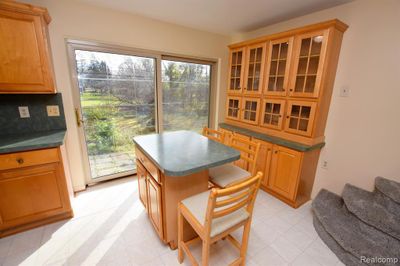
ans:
(321, 64)
(311, 118)
(281, 113)
(263, 46)
(287, 67)
(257, 111)
(142, 183)
(239, 106)
(241, 76)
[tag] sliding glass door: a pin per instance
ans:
(120, 94)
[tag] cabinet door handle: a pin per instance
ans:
(291, 90)
(275, 152)
(20, 161)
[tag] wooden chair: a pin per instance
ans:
(229, 174)
(213, 134)
(215, 214)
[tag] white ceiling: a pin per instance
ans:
(220, 16)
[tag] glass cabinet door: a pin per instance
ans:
(300, 117)
(310, 55)
(278, 66)
(254, 68)
(272, 113)
(250, 110)
(236, 70)
(233, 108)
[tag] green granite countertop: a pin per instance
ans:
(275, 140)
(31, 141)
(182, 153)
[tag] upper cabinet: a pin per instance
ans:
(253, 80)
(309, 58)
(24, 51)
(236, 70)
(278, 66)
(281, 84)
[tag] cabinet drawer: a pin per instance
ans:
(28, 158)
(151, 168)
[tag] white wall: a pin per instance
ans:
(75, 20)
(363, 130)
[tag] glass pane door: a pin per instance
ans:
(186, 93)
(117, 96)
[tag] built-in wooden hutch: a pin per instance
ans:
(279, 91)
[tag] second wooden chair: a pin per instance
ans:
(230, 174)
(213, 134)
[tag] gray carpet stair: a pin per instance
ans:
(352, 234)
(346, 257)
(373, 208)
(390, 188)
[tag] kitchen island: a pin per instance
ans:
(171, 167)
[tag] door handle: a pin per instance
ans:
(79, 121)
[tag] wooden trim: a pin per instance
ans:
(27, 9)
(339, 25)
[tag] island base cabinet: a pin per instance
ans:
(142, 183)
(32, 195)
(155, 205)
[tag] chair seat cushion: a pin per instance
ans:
(197, 205)
(227, 174)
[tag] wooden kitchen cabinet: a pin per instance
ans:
(236, 70)
(300, 117)
(284, 172)
(309, 57)
(263, 162)
(142, 182)
(24, 51)
(233, 107)
(155, 205)
(278, 67)
(250, 110)
(272, 113)
(254, 74)
(33, 190)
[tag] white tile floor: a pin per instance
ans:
(110, 227)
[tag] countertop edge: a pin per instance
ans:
(33, 147)
(275, 140)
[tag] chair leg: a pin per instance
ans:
(180, 236)
(205, 253)
(245, 242)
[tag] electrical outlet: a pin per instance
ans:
(324, 165)
(24, 111)
(344, 92)
(53, 110)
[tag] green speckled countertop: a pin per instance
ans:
(31, 141)
(275, 140)
(182, 153)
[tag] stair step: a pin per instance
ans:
(344, 256)
(353, 235)
(388, 187)
(374, 209)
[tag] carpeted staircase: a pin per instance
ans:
(361, 227)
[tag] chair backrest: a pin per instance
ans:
(213, 134)
(225, 201)
(248, 152)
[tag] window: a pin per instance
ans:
(186, 94)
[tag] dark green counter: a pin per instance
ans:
(31, 141)
(282, 142)
(182, 153)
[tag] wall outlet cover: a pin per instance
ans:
(53, 110)
(24, 111)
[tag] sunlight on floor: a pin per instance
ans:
(111, 227)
